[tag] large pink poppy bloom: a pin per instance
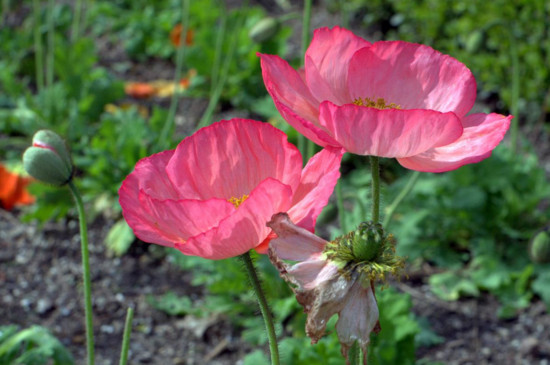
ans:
(212, 196)
(389, 99)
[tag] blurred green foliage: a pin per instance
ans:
(31, 346)
(482, 34)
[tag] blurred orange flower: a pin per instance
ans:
(175, 36)
(139, 90)
(13, 189)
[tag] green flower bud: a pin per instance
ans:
(540, 247)
(48, 159)
(264, 30)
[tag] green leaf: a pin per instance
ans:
(119, 238)
(450, 286)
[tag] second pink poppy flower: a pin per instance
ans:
(389, 99)
(212, 196)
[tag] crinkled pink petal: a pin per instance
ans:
(311, 273)
(149, 175)
(293, 99)
(169, 222)
(357, 319)
(482, 133)
(388, 132)
(246, 227)
(230, 158)
(413, 76)
(327, 60)
(293, 242)
(316, 186)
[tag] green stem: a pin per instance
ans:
(514, 129)
(85, 272)
(375, 171)
(76, 21)
(38, 51)
(126, 337)
(222, 77)
(264, 308)
(354, 354)
(169, 123)
(51, 44)
(399, 198)
(340, 207)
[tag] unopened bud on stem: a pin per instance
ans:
(48, 159)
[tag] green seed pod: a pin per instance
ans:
(264, 30)
(367, 240)
(539, 249)
(48, 159)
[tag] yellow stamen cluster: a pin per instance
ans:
(238, 201)
(378, 103)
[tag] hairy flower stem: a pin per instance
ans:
(264, 308)
(399, 198)
(354, 354)
(375, 171)
(85, 272)
(126, 337)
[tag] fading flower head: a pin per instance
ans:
(212, 196)
(335, 277)
(389, 99)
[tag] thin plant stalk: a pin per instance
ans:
(126, 337)
(514, 128)
(222, 77)
(399, 198)
(306, 146)
(85, 272)
(75, 26)
(340, 207)
(38, 50)
(169, 123)
(375, 171)
(264, 307)
(51, 44)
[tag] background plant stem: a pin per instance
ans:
(51, 45)
(264, 308)
(75, 27)
(164, 141)
(340, 207)
(126, 337)
(399, 198)
(85, 272)
(38, 50)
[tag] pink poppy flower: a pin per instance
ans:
(321, 287)
(212, 196)
(389, 99)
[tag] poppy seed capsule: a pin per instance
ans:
(368, 251)
(540, 247)
(48, 159)
(264, 30)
